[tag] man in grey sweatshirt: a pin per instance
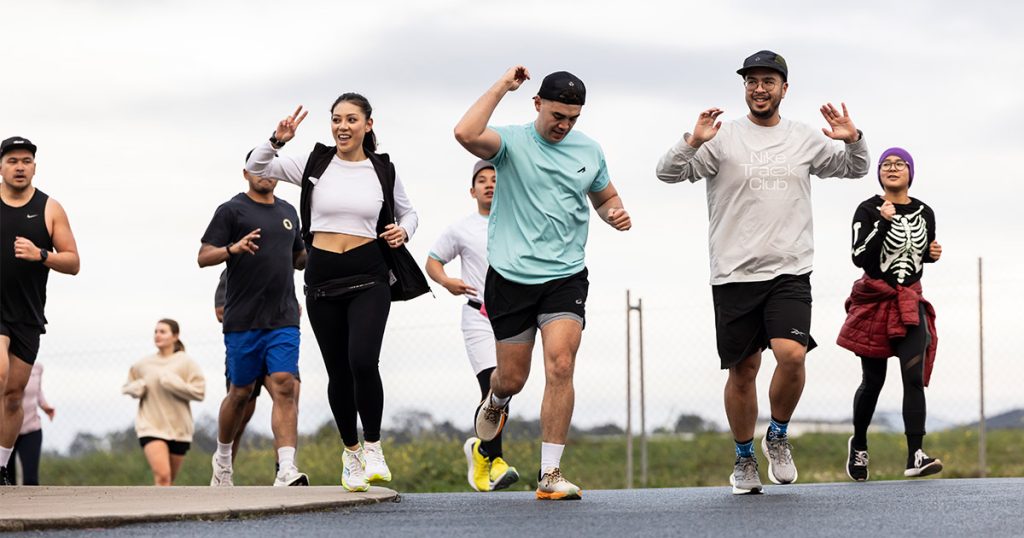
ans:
(761, 243)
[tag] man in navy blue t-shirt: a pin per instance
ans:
(258, 236)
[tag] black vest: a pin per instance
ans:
(406, 278)
(22, 282)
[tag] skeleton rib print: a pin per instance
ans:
(904, 246)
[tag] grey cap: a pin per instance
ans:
(480, 165)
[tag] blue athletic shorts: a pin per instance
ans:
(259, 352)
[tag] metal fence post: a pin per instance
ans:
(982, 443)
(629, 397)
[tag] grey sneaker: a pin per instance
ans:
(490, 419)
(744, 477)
(779, 452)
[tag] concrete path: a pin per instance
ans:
(49, 507)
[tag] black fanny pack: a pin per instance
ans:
(340, 287)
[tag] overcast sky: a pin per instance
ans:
(143, 112)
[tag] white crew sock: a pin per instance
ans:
(499, 402)
(5, 455)
(286, 457)
(224, 453)
(550, 456)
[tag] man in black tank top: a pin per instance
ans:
(35, 236)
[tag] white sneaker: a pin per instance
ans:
(552, 486)
(221, 474)
(352, 476)
(291, 477)
(376, 468)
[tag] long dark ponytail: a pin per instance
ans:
(370, 140)
(175, 329)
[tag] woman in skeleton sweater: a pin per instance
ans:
(893, 237)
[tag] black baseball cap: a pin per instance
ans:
(766, 59)
(564, 87)
(17, 142)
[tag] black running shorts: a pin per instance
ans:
(24, 340)
(178, 448)
(514, 308)
(749, 314)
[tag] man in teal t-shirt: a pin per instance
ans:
(536, 237)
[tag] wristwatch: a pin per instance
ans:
(275, 142)
(43, 254)
(228, 248)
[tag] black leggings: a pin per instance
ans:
(349, 330)
(491, 448)
(911, 352)
(27, 449)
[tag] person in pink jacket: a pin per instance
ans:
(29, 445)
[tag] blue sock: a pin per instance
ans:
(777, 428)
(745, 449)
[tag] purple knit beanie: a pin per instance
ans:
(901, 153)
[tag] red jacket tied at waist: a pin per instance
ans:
(876, 313)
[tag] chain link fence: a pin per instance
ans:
(428, 381)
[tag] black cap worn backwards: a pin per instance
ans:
(564, 87)
(16, 142)
(766, 59)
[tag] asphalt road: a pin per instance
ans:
(975, 507)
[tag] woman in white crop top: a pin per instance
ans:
(349, 298)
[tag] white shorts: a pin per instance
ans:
(479, 338)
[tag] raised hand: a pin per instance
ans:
(707, 127)
(246, 244)
(457, 287)
(841, 124)
(935, 250)
(286, 128)
(887, 210)
(395, 235)
(515, 77)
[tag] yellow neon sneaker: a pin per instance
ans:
(502, 475)
(478, 474)
(352, 476)
(374, 466)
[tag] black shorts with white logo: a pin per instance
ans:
(514, 308)
(749, 314)
(24, 339)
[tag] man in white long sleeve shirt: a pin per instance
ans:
(761, 244)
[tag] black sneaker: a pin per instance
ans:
(856, 462)
(923, 465)
(5, 479)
